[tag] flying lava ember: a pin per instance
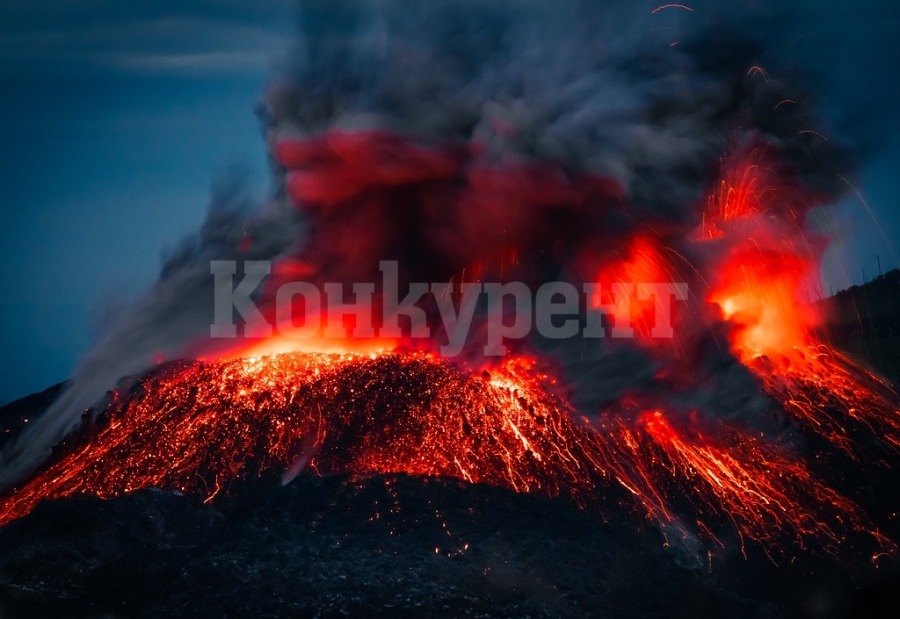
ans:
(197, 427)
(710, 428)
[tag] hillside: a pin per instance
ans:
(864, 322)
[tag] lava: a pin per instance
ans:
(761, 489)
(830, 396)
(197, 427)
(491, 194)
(772, 261)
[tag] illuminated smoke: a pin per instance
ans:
(453, 136)
(516, 141)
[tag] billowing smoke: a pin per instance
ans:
(524, 140)
(162, 323)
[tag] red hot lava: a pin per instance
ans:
(197, 427)
(350, 406)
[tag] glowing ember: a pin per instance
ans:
(456, 211)
(198, 427)
(772, 261)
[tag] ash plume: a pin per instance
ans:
(444, 133)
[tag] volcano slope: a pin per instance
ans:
(249, 516)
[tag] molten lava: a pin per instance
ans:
(772, 263)
(351, 405)
(198, 427)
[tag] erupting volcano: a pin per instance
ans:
(695, 394)
(196, 427)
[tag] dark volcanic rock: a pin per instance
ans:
(392, 546)
(15, 416)
(379, 547)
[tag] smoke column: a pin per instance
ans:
(532, 140)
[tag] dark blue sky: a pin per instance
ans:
(116, 116)
(114, 119)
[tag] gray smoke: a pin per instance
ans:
(162, 323)
(590, 87)
(651, 100)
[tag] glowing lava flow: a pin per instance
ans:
(743, 478)
(198, 427)
(772, 260)
(829, 395)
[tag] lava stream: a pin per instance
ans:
(197, 427)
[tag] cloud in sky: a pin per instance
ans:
(153, 35)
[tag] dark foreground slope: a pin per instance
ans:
(393, 545)
(383, 547)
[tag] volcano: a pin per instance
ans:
(525, 329)
(367, 485)
(198, 428)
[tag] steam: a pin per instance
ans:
(441, 133)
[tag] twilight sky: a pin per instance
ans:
(116, 117)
